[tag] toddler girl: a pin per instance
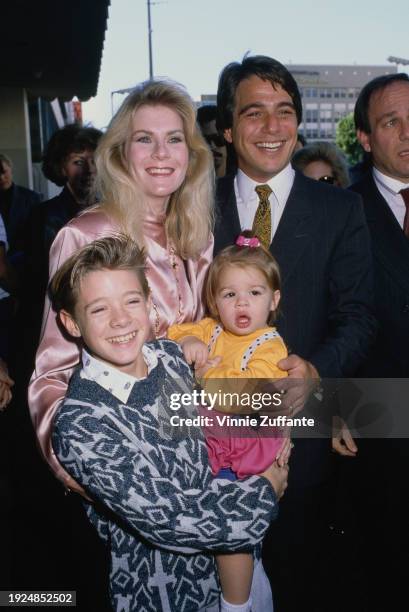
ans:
(237, 342)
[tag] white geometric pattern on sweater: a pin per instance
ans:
(155, 495)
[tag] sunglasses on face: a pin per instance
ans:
(327, 179)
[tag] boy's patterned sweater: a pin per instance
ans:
(157, 506)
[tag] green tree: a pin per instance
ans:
(346, 139)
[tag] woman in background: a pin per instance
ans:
(322, 161)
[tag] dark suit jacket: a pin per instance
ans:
(389, 357)
(45, 222)
(323, 250)
(23, 201)
(322, 246)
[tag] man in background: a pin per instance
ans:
(16, 204)
(382, 123)
(206, 118)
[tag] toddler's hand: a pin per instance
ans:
(195, 351)
(210, 363)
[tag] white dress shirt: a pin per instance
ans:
(248, 201)
(389, 188)
(111, 379)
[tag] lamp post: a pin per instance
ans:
(118, 91)
(398, 60)
(148, 3)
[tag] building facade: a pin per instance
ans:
(329, 93)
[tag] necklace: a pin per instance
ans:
(174, 265)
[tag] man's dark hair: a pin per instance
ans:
(206, 113)
(361, 117)
(265, 68)
(301, 139)
(70, 139)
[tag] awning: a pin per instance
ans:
(53, 48)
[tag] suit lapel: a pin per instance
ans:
(294, 230)
(14, 214)
(227, 216)
(389, 242)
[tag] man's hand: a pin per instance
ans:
(4, 374)
(195, 351)
(342, 440)
(5, 395)
(5, 386)
(302, 380)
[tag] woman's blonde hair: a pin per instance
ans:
(189, 215)
(241, 257)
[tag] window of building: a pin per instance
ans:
(311, 92)
(326, 131)
(325, 93)
(312, 133)
(311, 115)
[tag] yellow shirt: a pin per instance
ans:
(231, 348)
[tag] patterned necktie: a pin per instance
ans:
(262, 218)
(405, 195)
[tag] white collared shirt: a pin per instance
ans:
(248, 201)
(111, 379)
(389, 188)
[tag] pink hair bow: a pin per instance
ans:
(248, 242)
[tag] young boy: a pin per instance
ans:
(156, 503)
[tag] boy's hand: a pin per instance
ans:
(283, 455)
(195, 351)
(278, 477)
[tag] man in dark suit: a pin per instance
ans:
(319, 237)
(382, 122)
(16, 204)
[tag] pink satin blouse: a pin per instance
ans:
(176, 290)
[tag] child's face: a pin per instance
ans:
(112, 316)
(244, 300)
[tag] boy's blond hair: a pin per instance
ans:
(111, 253)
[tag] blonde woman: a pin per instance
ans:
(155, 180)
